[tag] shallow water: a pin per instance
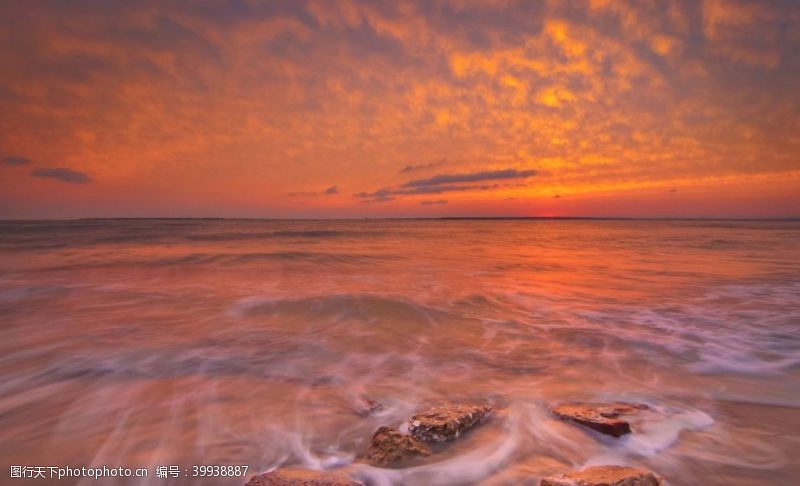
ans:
(189, 342)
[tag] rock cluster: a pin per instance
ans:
(447, 422)
(607, 418)
(610, 419)
(437, 424)
(605, 476)
(300, 477)
(388, 445)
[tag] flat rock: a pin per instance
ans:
(605, 476)
(447, 422)
(389, 445)
(300, 477)
(607, 418)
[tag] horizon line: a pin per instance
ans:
(408, 218)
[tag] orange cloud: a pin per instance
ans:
(224, 110)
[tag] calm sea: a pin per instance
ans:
(144, 343)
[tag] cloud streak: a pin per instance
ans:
(414, 168)
(16, 161)
(62, 174)
(442, 183)
(471, 177)
(388, 194)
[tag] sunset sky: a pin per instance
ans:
(436, 108)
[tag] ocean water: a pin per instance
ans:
(198, 342)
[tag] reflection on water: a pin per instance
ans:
(144, 343)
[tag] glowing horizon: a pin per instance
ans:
(404, 109)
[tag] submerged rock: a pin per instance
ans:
(367, 406)
(606, 418)
(605, 476)
(300, 477)
(446, 422)
(372, 405)
(388, 445)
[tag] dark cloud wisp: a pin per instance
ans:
(376, 199)
(16, 160)
(387, 194)
(446, 183)
(332, 190)
(413, 168)
(471, 177)
(62, 174)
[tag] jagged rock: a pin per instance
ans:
(388, 445)
(447, 422)
(300, 477)
(606, 418)
(605, 476)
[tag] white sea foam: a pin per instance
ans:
(661, 430)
